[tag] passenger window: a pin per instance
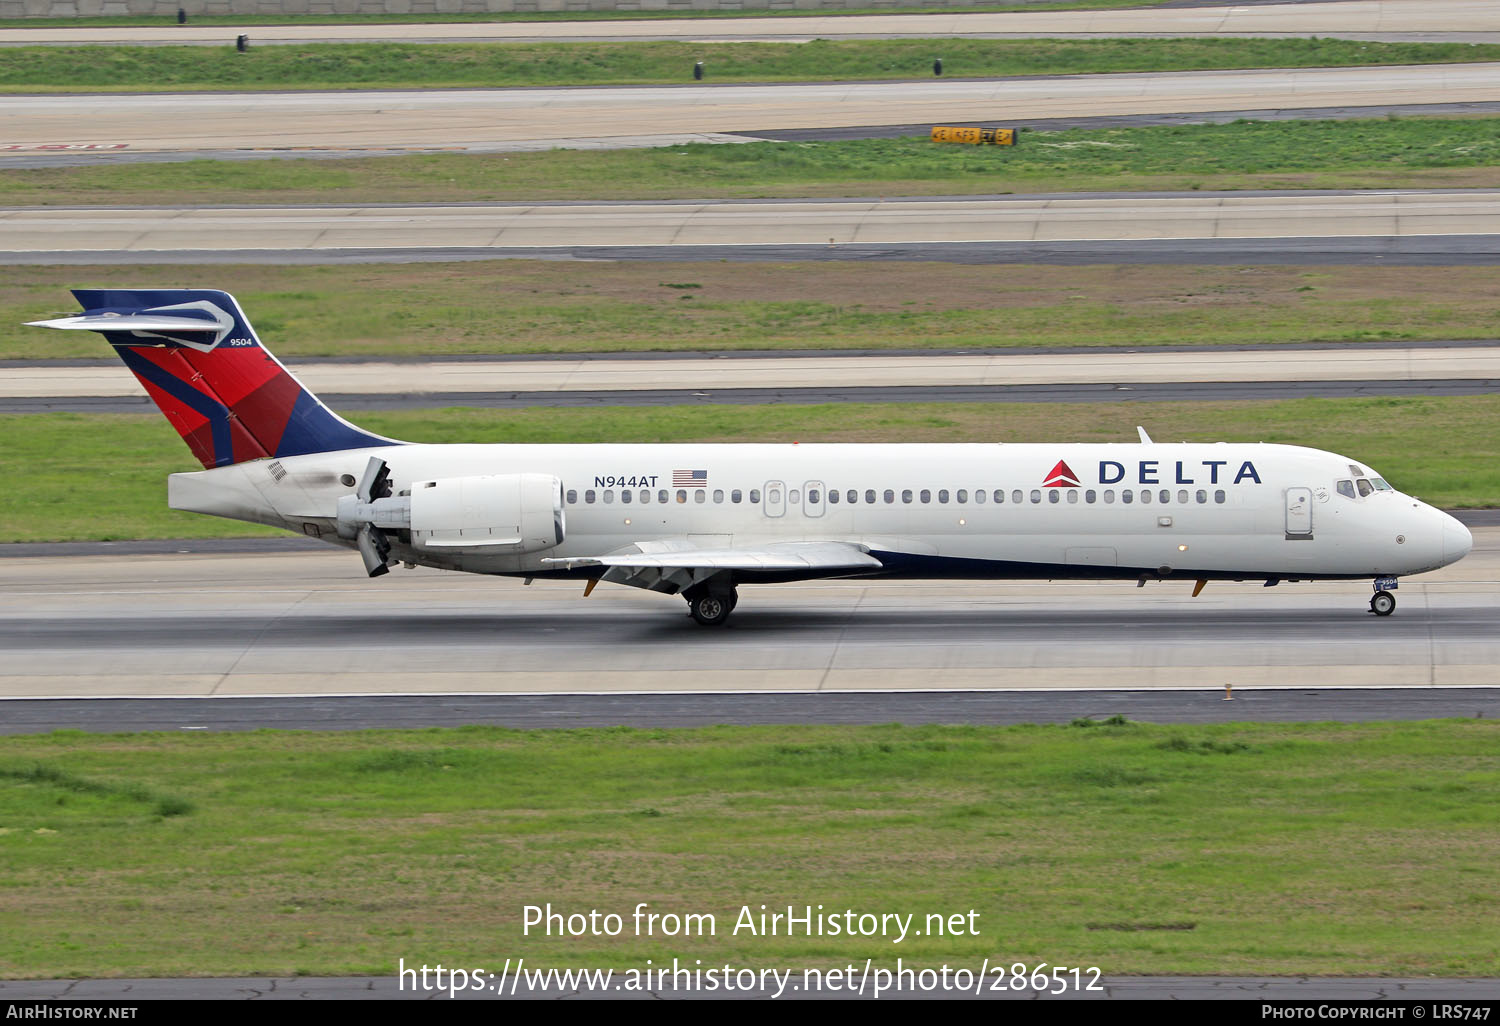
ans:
(736, 495)
(1089, 496)
(625, 495)
(572, 496)
(1202, 496)
(1182, 495)
(926, 494)
(942, 495)
(813, 496)
(890, 496)
(755, 495)
(1015, 496)
(1346, 489)
(1146, 495)
(1052, 495)
(851, 496)
(662, 496)
(962, 496)
(1219, 496)
(1109, 495)
(870, 495)
(906, 495)
(1365, 487)
(794, 496)
(682, 495)
(609, 495)
(773, 496)
(1036, 495)
(645, 496)
(1164, 496)
(1127, 496)
(979, 496)
(1073, 495)
(718, 495)
(833, 496)
(588, 496)
(700, 494)
(999, 494)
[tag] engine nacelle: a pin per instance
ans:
(509, 513)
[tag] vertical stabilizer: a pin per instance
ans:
(206, 370)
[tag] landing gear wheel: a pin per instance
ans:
(711, 610)
(1382, 603)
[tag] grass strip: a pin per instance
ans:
(121, 21)
(491, 65)
(541, 306)
(50, 776)
(1385, 153)
(102, 476)
(1136, 848)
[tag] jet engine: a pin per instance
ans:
(500, 514)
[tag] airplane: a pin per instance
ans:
(700, 520)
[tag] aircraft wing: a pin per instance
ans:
(676, 565)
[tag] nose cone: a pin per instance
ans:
(1457, 541)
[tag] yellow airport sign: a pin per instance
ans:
(990, 136)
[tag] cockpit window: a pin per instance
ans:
(1355, 471)
(1346, 488)
(1365, 487)
(1381, 486)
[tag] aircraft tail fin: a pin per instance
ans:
(207, 371)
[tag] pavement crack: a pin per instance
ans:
(253, 642)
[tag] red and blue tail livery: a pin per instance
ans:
(203, 366)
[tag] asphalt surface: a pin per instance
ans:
(493, 120)
(99, 157)
(371, 712)
(1376, 250)
(292, 622)
(1067, 393)
(1365, 19)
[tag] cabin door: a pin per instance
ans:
(1299, 513)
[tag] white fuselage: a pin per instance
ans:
(1223, 510)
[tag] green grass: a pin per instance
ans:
(488, 16)
(541, 306)
(102, 476)
(1288, 849)
(407, 65)
(1364, 153)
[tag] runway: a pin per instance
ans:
(722, 225)
(499, 119)
(309, 623)
(1266, 371)
(1464, 20)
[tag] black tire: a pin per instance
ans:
(1382, 603)
(711, 610)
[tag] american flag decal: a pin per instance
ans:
(689, 479)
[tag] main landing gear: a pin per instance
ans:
(1383, 603)
(711, 607)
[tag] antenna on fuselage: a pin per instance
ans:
(1145, 438)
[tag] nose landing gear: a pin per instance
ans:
(1383, 603)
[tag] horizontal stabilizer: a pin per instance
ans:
(128, 322)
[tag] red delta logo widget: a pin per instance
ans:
(1061, 476)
